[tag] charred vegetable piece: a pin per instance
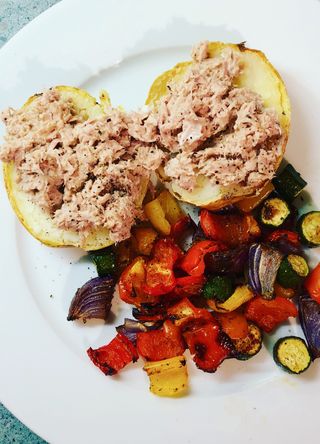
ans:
(130, 328)
(289, 183)
(309, 313)
(168, 377)
(312, 283)
(292, 270)
(193, 261)
(184, 313)
(234, 324)
(249, 203)
(150, 312)
(104, 260)
(232, 229)
(283, 292)
(92, 300)
(227, 262)
(124, 255)
(291, 354)
(143, 239)
(274, 212)
(264, 263)
(131, 282)
(161, 344)
(206, 346)
(249, 346)
(309, 228)
(285, 241)
(114, 356)
(219, 288)
(189, 285)
(240, 296)
(269, 314)
(163, 212)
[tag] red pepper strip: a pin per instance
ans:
(289, 236)
(312, 284)
(205, 346)
(189, 285)
(156, 345)
(269, 314)
(193, 261)
(159, 277)
(114, 356)
(231, 229)
(184, 313)
(180, 227)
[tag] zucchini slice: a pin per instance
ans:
(289, 183)
(309, 228)
(274, 212)
(249, 346)
(292, 270)
(291, 354)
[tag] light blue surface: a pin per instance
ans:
(14, 14)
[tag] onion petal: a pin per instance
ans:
(309, 313)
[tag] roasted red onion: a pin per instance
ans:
(227, 262)
(92, 300)
(264, 263)
(130, 328)
(309, 313)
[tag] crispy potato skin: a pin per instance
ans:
(268, 83)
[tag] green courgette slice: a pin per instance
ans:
(274, 212)
(309, 228)
(292, 270)
(291, 354)
(289, 183)
(251, 345)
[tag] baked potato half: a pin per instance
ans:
(39, 224)
(257, 74)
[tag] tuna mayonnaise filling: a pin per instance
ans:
(86, 174)
(215, 129)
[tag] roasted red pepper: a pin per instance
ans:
(184, 313)
(112, 357)
(156, 345)
(131, 282)
(312, 284)
(268, 314)
(180, 227)
(159, 277)
(193, 261)
(287, 235)
(189, 285)
(206, 346)
(231, 229)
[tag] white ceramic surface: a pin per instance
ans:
(46, 378)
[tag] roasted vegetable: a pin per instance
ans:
(114, 356)
(219, 288)
(229, 262)
(257, 74)
(130, 328)
(240, 296)
(92, 300)
(250, 345)
(274, 212)
(131, 282)
(232, 229)
(193, 261)
(163, 212)
(189, 286)
(285, 241)
(161, 344)
(269, 314)
(168, 377)
(292, 270)
(312, 283)
(264, 263)
(309, 228)
(283, 292)
(289, 183)
(234, 324)
(291, 354)
(249, 203)
(206, 346)
(309, 314)
(143, 239)
(104, 260)
(184, 312)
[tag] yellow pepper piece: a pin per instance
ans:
(241, 295)
(168, 377)
(154, 212)
(249, 203)
(143, 239)
(170, 207)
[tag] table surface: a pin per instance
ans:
(14, 14)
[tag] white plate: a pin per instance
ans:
(46, 378)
